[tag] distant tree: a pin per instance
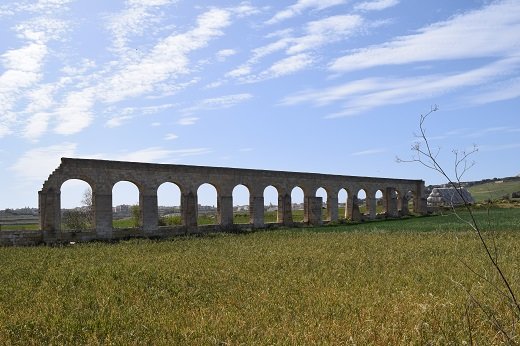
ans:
(75, 220)
(88, 205)
(80, 218)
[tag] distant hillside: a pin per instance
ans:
(486, 189)
(494, 189)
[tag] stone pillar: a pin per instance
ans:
(404, 205)
(332, 208)
(353, 208)
(189, 209)
(49, 203)
(391, 202)
(102, 205)
(371, 204)
(284, 209)
(348, 208)
(256, 211)
(420, 201)
(149, 211)
(225, 210)
(312, 210)
(384, 199)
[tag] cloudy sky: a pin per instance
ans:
(329, 86)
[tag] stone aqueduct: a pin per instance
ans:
(102, 175)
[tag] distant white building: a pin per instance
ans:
(449, 196)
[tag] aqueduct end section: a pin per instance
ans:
(102, 175)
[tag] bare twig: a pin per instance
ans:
(425, 155)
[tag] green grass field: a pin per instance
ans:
(494, 190)
(395, 282)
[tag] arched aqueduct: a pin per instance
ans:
(102, 175)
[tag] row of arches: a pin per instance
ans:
(343, 204)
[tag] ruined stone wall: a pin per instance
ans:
(103, 175)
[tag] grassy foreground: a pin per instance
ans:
(398, 282)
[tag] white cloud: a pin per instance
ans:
(317, 34)
(302, 5)
(134, 20)
(362, 95)
(239, 71)
(336, 93)
(191, 152)
(161, 155)
(500, 91)
(270, 48)
(244, 9)
(40, 98)
(117, 121)
(369, 152)
(37, 125)
(154, 154)
(47, 7)
(225, 101)
(23, 70)
(35, 164)
(167, 60)
(223, 54)
(128, 113)
(213, 85)
(42, 30)
(325, 31)
(187, 121)
(375, 5)
(171, 136)
(285, 67)
(488, 32)
(75, 113)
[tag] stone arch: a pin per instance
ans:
(326, 209)
(391, 199)
(297, 204)
(241, 205)
(169, 204)
(77, 213)
(357, 207)
(126, 197)
(271, 198)
(343, 203)
(207, 209)
(362, 199)
(408, 203)
(380, 201)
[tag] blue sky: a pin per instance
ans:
(329, 86)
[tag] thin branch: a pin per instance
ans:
(426, 157)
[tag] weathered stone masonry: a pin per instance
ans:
(103, 175)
